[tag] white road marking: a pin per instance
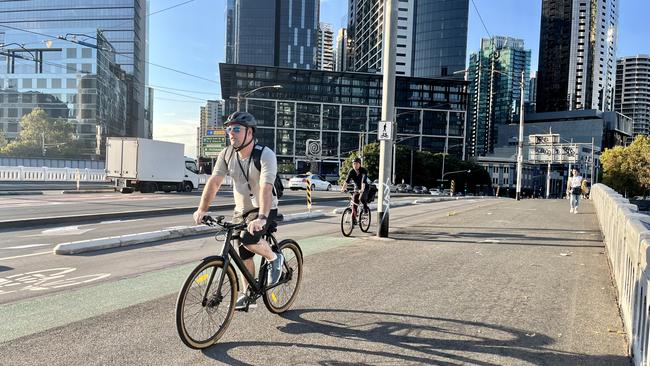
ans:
(26, 255)
(117, 221)
(26, 246)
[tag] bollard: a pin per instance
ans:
(308, 195)
(78, 177)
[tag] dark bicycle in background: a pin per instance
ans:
(206, 302)
(363, 216)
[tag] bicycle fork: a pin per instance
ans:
(217, 298)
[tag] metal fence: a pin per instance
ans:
(6, 161)
(44, 174)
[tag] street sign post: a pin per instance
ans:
(385, 131)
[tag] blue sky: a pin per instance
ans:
(190, 38)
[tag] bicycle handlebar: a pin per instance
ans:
(219, 221)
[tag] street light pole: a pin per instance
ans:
(520, 144)
(240, 96)
(387, 114)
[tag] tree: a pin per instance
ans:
(3, 140)
(627, 169)
(427, 167)
(38, 130)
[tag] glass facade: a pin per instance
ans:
(83, 85)
(577, 55)
(342, 110)
(431, 37)
(440, 37)
(495, 92)
(123, 24)
(272, 33)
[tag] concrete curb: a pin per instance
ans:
(88, 191)
(20, 193)
(84, 246)
(43, 221)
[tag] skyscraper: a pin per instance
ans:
(274, 33)
(633, 91)
(577, 55)
(495, 90)
(211, 117)
(122, 26)
(325, 54)
(230, 18)
(341, 50)
(431, 36)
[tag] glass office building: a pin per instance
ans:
(274, 33)
(431, 37)
(123, 23)
(342, 110)
(83, 85)
(495, 92)
(577, 55)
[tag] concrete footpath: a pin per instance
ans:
(495, 282)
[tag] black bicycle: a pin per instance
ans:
(206, 303)
(348, 220)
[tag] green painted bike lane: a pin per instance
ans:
(37, 315)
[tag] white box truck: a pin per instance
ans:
(149, 166)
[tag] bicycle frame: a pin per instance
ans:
(229, 252)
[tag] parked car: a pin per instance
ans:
(435, 192)
(425, 190)
(393, 188)
(318, 183)
(417, 189)
(404, 188)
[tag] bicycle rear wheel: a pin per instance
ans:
(280, 298)
(364, 219)
(200, 323)
(346, 222)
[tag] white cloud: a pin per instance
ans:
(181, 131)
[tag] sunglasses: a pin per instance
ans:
(235, 129)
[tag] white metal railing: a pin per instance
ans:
(627, 241)
(45, 174)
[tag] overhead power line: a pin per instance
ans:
(481, 18)
(115, 52)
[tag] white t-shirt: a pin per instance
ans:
(575, 181)
(245, 199)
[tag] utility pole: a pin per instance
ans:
(387, 114)
(520, 144)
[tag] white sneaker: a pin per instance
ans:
(571, 210)
(575, 210)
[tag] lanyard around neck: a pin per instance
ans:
(246, 173)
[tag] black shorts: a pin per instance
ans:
(246, 238)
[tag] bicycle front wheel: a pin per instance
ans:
(280, 298)
(347, 224)
(202, 319)
(364, 219)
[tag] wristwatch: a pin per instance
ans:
(262, 217)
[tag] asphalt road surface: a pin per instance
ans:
(479, 282)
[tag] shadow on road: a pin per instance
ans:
(373, 337)
(422, 234)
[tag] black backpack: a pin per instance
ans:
(278, 187)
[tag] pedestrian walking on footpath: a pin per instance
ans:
(574, 190)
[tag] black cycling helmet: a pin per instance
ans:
(357, 160)
(242, 118)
